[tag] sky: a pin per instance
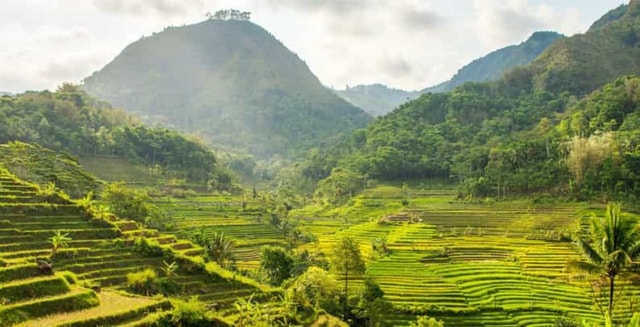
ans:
(408, 44)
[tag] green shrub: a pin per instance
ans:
(142, 282)
(425, 321)
(151, 248)
(191, 313)
(69, 276)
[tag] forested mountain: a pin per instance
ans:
(492, 66)
(526, 133)
(230, 82)
(376, 99)
(583, 63)
(611, 16)
(69, 120)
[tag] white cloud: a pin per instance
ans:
(46, 56)
(165, 8)
(403, 43)
(503, 22)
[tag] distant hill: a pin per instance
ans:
(230, 82)
(493, 65)
(2, 93)
(376, 99)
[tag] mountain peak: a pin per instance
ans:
(544, 35)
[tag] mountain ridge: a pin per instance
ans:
(378, 99)
(493, 65)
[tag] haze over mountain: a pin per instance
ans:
(230, 82)
(376, 99)
(496, 63)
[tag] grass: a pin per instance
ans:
(113, 169)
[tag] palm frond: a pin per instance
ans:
(583, 268)
(591, 254)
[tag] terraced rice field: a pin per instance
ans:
(219, 214)
(27, 222)
(499, 264)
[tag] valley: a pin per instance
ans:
(205, 176)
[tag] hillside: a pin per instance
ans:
(526, 133)
(230, 82)
(583, 63)
(89, 280)
(492, 66)
(376, 99)
(71, 121)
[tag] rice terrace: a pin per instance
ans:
(206, 176)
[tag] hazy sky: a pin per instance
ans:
(408, 44)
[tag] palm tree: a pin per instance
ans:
(221, 249)
(170, 269)
(58, 241)
(614, 244)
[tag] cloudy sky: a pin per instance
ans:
(408, 44)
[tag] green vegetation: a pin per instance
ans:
(94, 249)
(615, 244)
(71, 121)
(475, 207)
(270, 103)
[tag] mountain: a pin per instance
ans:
(583, 63)
(229, 82)
(2, 93)
(376, 99)
(565, 124)
(493, 65)
(611, 16)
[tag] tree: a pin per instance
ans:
(347, 260)
(276, 264)
(424, 321)
(315, 288)
(221, 249)
(371, 305)
(127, 203)
(613, 245)
(58, 241)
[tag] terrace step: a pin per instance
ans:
(115, 309)
(76, 299)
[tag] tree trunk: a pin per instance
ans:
(611, 289)
(346, 290)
